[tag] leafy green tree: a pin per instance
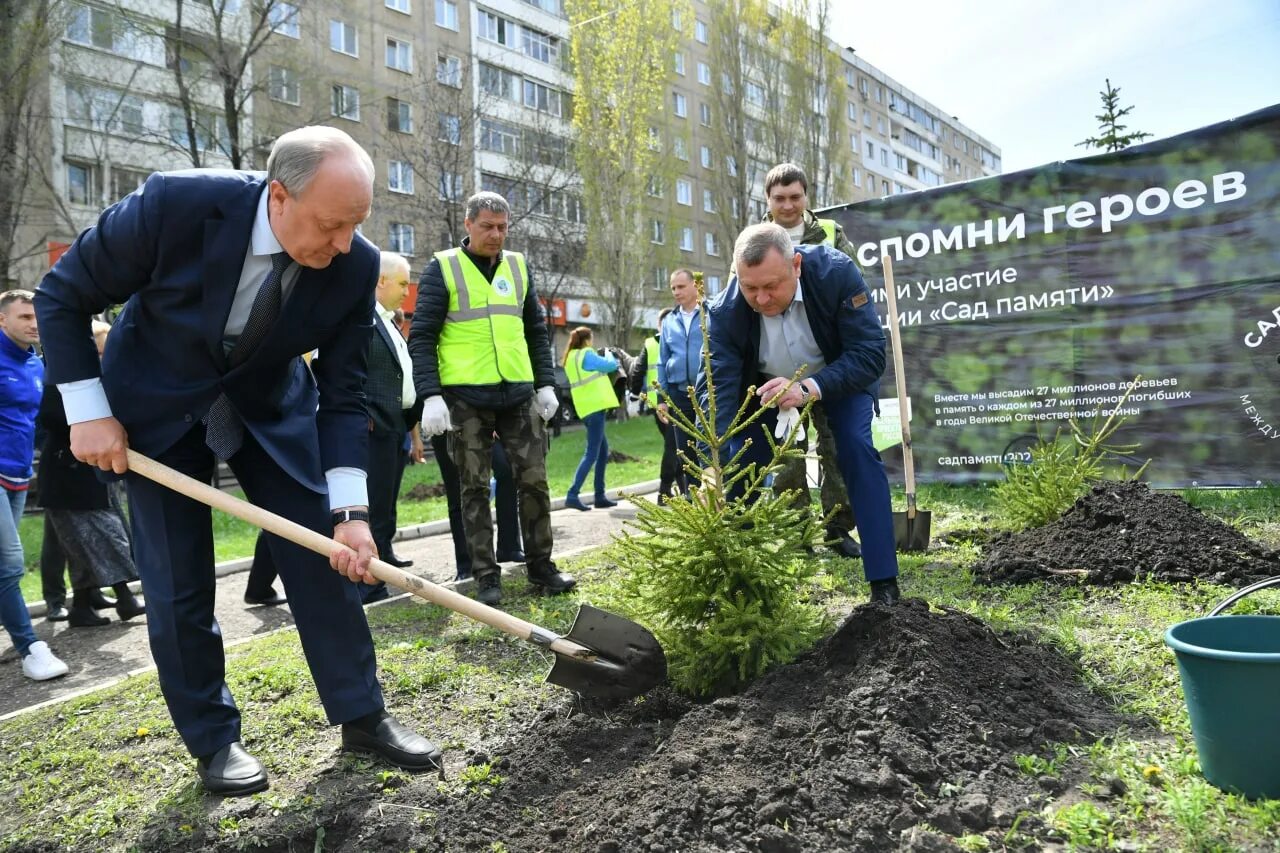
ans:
(1113, 136)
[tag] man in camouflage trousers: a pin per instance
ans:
(787, 193)
(482, 364)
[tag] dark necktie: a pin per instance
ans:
(224, 430)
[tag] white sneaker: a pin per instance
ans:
(41, 664)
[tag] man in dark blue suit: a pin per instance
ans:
(226, 277)
(806, 308)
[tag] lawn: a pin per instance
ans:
(106, 771)
(234, 538)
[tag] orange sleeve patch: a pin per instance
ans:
(859, 299)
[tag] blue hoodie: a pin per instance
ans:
(21, 386)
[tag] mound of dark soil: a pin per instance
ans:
(904, 716)
(425, 491)
(1120, 532)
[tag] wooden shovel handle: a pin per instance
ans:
(312, 541)
(900, 379)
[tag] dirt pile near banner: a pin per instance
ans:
(905, 716)
(1121, 532)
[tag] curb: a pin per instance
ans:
(403, 534)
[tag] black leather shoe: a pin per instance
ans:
(885, 592)
(232, 772)
(382, 735)
(129, 608)
(98, 601)
(550, 580)
(85, 617)
(845, 545)
(56, 613)
(397, 562)
(271, 599)
(489, 589)
(603, 502)
(516, 556)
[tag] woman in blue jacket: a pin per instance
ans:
(593, 396)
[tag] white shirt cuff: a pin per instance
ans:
(817, 387)
(84, 400)
(347, 487)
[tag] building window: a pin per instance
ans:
(755, 93)
(736, 207)
(498, 136)
(282, 85)
(731, 165)
(656, 187)
(871, 150)
(495, 28)
(684, 191)
(449, 70)
(342, 38)
(708, 201)
(447, 14)
(106, 29)
(398, 5)
(704, 73)
(686, 239)
(345, 101)
(125, 181)
(704, 114)
(82, 183)
(450, 129)
(713, 285)
(657, 231)
(884, 187)
(450, 186)
(681, 104)
(706, 156)
(866, 118)
(399, 55)
(700, 31)
(857, 177)
(401, 238)
(540, 46)
(106, 109)
(660, 278)
(399, 116)
(542, 98)
(680, 148)
(853, 113)
(283, 18)
(712, 244)
(676, 23)
(884, 156)
(400, 177)
(880, 125)
(499, 82)
(680, 63)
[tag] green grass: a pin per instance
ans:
(107, 770)
(234, 538)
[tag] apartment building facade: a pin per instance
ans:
(452, 96)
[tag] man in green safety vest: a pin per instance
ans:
(482, 365)
(787, 191)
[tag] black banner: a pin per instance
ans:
(1030, 298)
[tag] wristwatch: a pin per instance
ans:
(804, 392)
(342, 516)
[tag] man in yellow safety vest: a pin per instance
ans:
(482, 365)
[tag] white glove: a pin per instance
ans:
(789, 419)
(435, 416)
(546, 402)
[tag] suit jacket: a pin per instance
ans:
(173, 252)
(65, 482)
(384, 388)
(841, 314)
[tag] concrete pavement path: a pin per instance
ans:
(101, 656)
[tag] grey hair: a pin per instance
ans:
(392, 261)
(486, 200)
(754, 244)
(296, 156)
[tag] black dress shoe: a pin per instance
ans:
(56, 613)
(382, 735)
(397, 562)
(516, 556)
(551, 580)
(885, 592)
(129, 608)
(98, 601)
(232, 772)
(271, 599)
(86, 617)
(845, 545)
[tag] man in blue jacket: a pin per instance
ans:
(226, 277)
(807, 309)
(680, 360)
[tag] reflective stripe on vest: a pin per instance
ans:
(483, 338)
(828, 228)
(591, 391)
(653, 354)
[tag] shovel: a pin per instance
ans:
(910, 528)
(603, 655)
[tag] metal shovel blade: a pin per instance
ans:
(625, 660)
(912, 533)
